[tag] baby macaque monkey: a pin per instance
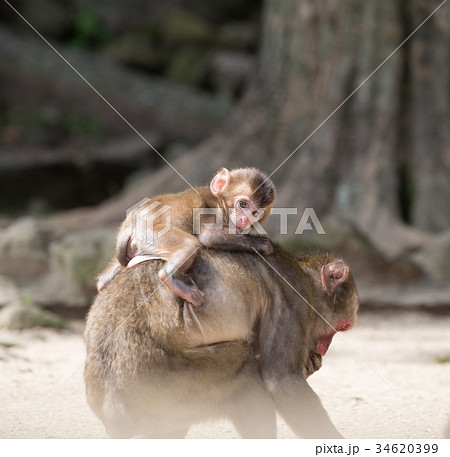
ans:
(174, 226)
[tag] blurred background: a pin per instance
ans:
(225, 83)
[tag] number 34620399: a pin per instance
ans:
(407, 448)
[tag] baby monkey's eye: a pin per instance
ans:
(255, 214)
(243, 204)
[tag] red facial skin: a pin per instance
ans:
(324, 343)
(244, 213)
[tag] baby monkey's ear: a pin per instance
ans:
(220, 182)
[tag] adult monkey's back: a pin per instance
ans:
(154, 366)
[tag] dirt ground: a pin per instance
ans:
(389, 377)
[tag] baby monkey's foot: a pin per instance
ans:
(190, 293)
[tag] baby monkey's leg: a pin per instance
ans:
(180, 249)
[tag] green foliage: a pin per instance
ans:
(188, 65)
(78, 125)
(442, 359)
(26, 299)
(88, 30)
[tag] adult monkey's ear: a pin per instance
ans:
(334, 274)
(220, 182)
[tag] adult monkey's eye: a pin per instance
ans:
(243, 204)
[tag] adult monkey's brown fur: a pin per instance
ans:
(240, 198)
(154, 366)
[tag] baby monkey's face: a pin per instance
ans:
(244, 213)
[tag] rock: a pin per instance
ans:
(75, 261)
(369, 266)
(56, 289)
(420, 298)
(81, 256)
(23, 251)
(435, 258)
(20, 315)
(8, 291)
(231, 71)
(399, 283)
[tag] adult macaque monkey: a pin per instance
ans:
(239, 199)
(154, 366)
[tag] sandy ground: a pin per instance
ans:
(389, 377)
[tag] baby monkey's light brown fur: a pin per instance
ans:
(241, 198)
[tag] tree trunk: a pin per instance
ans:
(357, 166)
(378, 158)
(430, 117)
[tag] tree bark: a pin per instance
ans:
(430, 117)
